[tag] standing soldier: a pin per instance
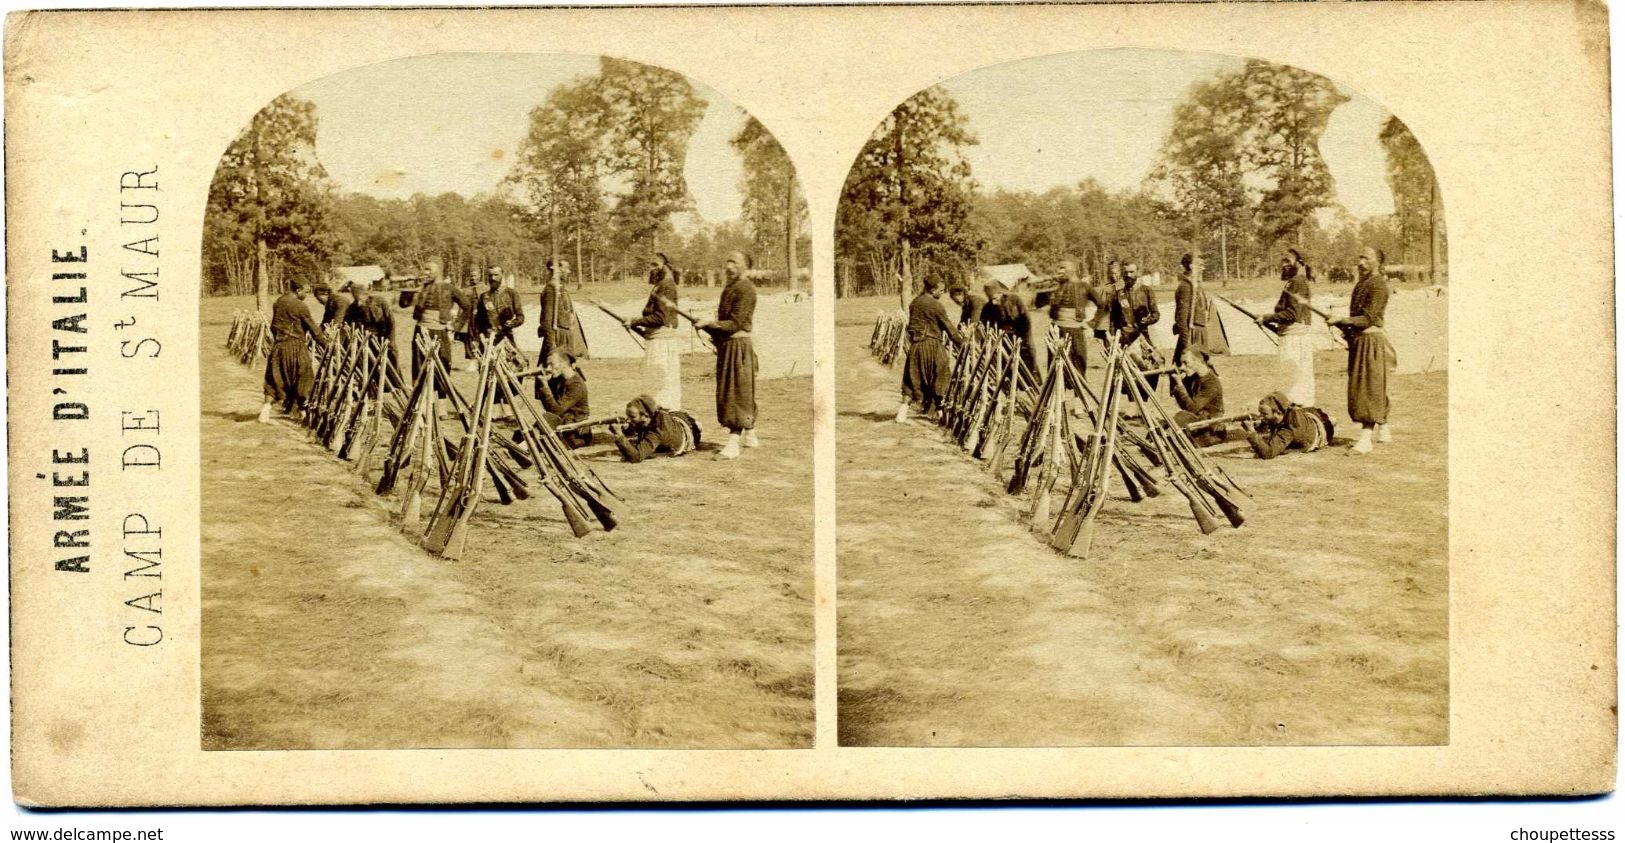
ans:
(466, 329)
(736, 357)
(1133, 312)
(1196, 323)
(1370, 353)
(663, 352)
(373, 313)
(928, 368)
(1102, 295)
(1290, 320)
(498, 309)
(1066, 309)
(289, 375)
(432, 309)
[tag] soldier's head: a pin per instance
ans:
(1114, 271)
(1273, 408)
(1196, 362)
(736, 265)
(297, 287)
(560, 361)
(1131, 273)
(493, 276)
(640, 410)
(1192, 264)
(1069, 268)
(321, 291)
(1370, 262)
(957, 293)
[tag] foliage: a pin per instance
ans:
(906, 205)
(648, 116)
(770, 188)
(268, 189)
(1416, 196)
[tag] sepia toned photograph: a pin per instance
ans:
(1142, 412)
(506, 415)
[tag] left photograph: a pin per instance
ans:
(506, 415)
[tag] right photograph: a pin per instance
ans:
(1142, 412)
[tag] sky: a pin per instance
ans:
(1056, 120)
(453, 121)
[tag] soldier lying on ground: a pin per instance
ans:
(651, 429)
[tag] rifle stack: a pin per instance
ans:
(250, 336)
(889, 341)
(362, 411)
(1060, 438)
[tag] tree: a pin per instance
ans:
(1286, 113)
(561, 165)
(906, 203)
(268, 204)
(1202, 164)
(772, 204)
(647, 117)
(1416, 193)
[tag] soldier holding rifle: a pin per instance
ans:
(736, 357)
(1200, 397)
(663, 350)
(1196, 323)
(1291, 321)
(433, 309)
(651, 429)
(1370, 353)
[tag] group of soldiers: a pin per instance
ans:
(1119, 308)
(445, 314)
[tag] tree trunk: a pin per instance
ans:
(262, 278)
(790, 233)
(1433, 231)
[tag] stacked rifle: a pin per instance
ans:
(1058, 436)
(888, 341)
(362, 411)
(250, 336)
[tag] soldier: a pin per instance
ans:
(1370, 353)
(1196, 323)
(663, 350)
(433, 309)
(652, 429)
(736, 357)
(466, 329)
(928, 368)
(1066, 306)
(563, 393)
(498, 311)
(289, 374)
(334, 304)
(373, 313)
(1200, 397)
(1283, 425)
(1291, 321)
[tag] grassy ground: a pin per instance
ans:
(325, 627)
(1322, 621)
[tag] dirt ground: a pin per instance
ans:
(324, 627)
(1322, 621)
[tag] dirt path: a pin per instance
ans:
(1323, 621)
(325, 627)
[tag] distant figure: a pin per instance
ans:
(372, 312)
(1196, 322)
(1102, 295)
(466, 329)
(1200, 397)
(557, 324)
(1370, 353)
(663, 346)
(1291, 321)
(1283, 425)
(992, 312)
(652, 429)
(970, 304)
(928, 367)
(1066, 308)
(289, 374)
(736, 357)
(434, 309)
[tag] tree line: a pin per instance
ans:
(598, 184)
(1239, 177)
